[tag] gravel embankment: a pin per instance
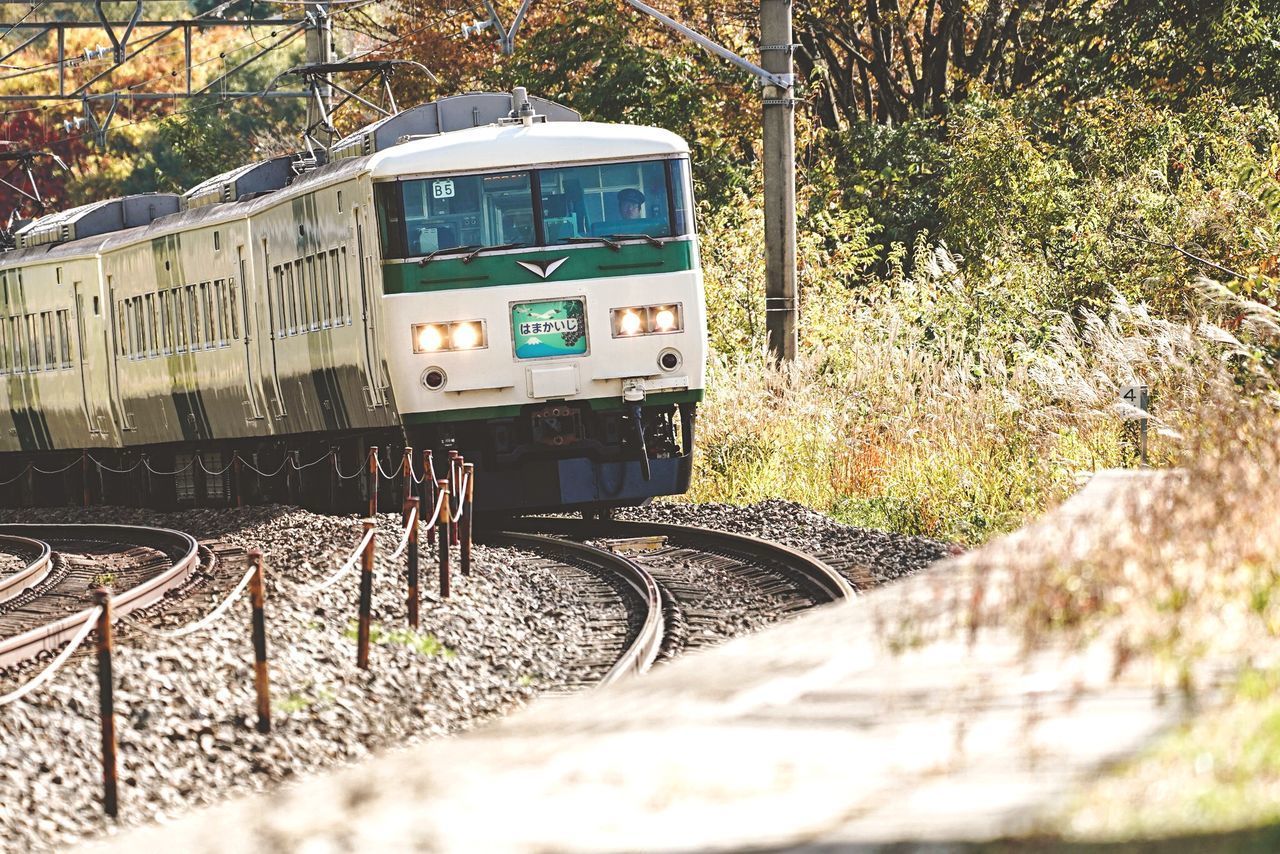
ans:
(866, 557)
(185, 708)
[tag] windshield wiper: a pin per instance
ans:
(498, 248)
(431, 256)
(648, 238)
(606, 241)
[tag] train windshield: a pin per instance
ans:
(615, 201)
(438, 214)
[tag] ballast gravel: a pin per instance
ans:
(185, 708)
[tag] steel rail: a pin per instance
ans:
(640, 655)
(821, 576)
(33, 573)
(181, 548)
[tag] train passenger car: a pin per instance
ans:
(471, 275)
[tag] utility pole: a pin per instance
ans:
(320, 52)
(781, 307)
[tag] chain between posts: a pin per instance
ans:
(49, 672)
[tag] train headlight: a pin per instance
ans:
(465, 336)
(428, 337)
(647, 320)
(459, 335)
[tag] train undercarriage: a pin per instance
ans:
(555, 456)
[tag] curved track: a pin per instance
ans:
(624, 646)
(141, 564)
(37, 559)
(711, 584)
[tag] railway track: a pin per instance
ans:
(684, 587)
(25, 563)
(141, 564)
(625, 642)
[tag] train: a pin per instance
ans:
(485, 273)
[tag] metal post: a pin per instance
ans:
(236, 483)
(261, 683)
(366, 597)
(373, 482)
(443, 546)
(319, 38)
(429, 490)
(84, 475)
(468, 509)
(779, 181)
(406, 474)
(413, 508)
(106, 703)
(455, 485)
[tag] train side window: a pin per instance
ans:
(293, 298)
(4, 345)
(235, 312)
(206, 307)
(340, 285)
(193, 319)
(15, 342)
(135, 333)
(153, 330)
(307, 296)
(50, 342)
(121, 340)
(64, 337)
(166, 322)
(279, 308)
(322, 271)
(317, 312)
(304, 306)
(220, 310)
(179, 320)
(33, 345)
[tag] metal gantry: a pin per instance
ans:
(129, 39)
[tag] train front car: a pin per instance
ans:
(543, 308)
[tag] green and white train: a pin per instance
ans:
(485, 273)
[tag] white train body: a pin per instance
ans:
(525, 292)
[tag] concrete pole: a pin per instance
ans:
(319, 40)
(781, 308)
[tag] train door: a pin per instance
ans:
(94, 416)
(273, 311)
(113, 358)
(374, 387)
(252, 409)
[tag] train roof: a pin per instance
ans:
(517, 145)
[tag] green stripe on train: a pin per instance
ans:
(487, 271)
(601, 404)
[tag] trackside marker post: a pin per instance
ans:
(1138, 397)
(412, 510)
(106, 703)
(261, 684)
(366, 597)
(443, 543)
